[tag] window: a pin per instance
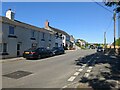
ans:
(11, 30)
(56, 35)
(50, 37)
(56, 44)
(4, 47)
(0, 47)
(43, 36)
(33, 33)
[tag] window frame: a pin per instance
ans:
(5, 47)
(11, 30)
(33, 34)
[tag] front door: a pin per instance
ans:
(18, 49)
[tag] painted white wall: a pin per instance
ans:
(10, 14)
(23, 38)
(59, 41)
(64, 39)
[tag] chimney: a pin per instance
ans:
(46, 24)
(10, 14)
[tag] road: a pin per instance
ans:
(101, 71)
(53, 72)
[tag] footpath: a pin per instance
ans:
(11, 59)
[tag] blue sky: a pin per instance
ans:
(84, 20)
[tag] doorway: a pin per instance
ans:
(18, 49)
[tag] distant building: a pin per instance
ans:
(81, 42)
(119, 25)
(61, 38)
(72, 42)
(17, 36)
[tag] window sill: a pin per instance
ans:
(42, 39)
(32, 38)
(12, 36)
(4, 53)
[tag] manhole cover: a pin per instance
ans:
(17, 74)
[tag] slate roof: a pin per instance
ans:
(21, 24)
(59, 31)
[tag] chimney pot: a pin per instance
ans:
(46, 24)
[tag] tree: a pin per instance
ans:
(110, 4)
(118, 42)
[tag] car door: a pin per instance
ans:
(46, 52)
(41, 52)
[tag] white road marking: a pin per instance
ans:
(71, 78)
(77, 73)
(86, 75)
(80, 70)
(83, 66)
(64, 87)
(88, 70)
(90, 67)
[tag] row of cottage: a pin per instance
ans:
(16, 36)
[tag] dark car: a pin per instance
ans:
(100, 49)
(58, 50)
(35, 53)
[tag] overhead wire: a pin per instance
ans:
(109, 24)
(102, 6)
(108, 11)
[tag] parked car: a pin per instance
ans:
(35, 53)
(58, 50)
(100, 49)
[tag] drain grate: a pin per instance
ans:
(17, 74)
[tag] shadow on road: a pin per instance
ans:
(110, 74)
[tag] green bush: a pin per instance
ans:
(118, 42)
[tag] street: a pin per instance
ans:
(52, 72)
(75, 69)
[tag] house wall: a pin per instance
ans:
(24, 36)
(59, 41)
(64, 40)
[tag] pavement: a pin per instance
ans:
(11, 59)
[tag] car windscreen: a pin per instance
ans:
(54, 48)
(100, 48)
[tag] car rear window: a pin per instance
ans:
(32, 49)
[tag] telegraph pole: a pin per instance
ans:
(104, 39)
(114, 18)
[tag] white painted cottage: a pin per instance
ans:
(16, 36)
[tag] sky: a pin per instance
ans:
(83, 20)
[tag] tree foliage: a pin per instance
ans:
(118, 42)
(110, 4)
